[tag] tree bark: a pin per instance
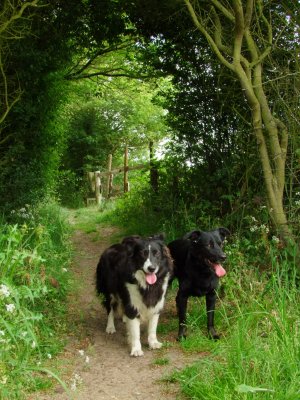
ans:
(244, 57)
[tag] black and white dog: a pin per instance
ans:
(197, 258)
(133, 277)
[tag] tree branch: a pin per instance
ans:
(111, 74)
(239, 31)
(228, 14)
(208, 37)
(4, 26)
(101, 52)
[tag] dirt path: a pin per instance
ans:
(98, 365)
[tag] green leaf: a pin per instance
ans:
(250, 389)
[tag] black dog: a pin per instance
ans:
(133, 277)
(196, 261)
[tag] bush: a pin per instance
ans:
(34, 256)
(259, 351)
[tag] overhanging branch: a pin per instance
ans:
(208, 37)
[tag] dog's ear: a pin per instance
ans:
(159, 236)
(224, 232)
(192, 236)
(130, 243)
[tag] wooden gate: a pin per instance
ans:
(95, 179)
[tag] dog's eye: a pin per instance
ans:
(210, 245)
(145, 253)
(154, 252)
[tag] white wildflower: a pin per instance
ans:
(275, 239)
(44, 289)
(2, 333)
(76, 380)
(264, 227)
(4, 291)
(253, 228)
(33, 345)
(24, 334)
(3, 380)
(49, 356)
(10, 308)
(64, 270)
(81, 352)
(87, 359)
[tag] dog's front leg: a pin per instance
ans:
(181, 303)
(210, 309)
(133, 330)
(152, 339)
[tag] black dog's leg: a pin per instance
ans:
(181, 303)
(110, 305)
(210, 309)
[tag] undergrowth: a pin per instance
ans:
(34, 279)
(258, 354)
(257, 312)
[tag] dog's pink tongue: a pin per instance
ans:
(151, 278)
(219, 270)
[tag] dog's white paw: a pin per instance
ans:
(155, 345)
(137, 352)
(110, 330)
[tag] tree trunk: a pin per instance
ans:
(126, 184)
(244, 53)
(153, 169)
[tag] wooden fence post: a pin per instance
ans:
(126, 185)
(109, 176)
(91, 180)
(98, 188)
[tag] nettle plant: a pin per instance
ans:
(257, 244)
(30, 299)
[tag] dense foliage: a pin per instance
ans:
(46, 43)
(209, 114)
(34, 279)
(79, 80)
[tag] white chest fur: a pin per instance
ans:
(137, 302)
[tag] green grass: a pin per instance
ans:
(258, 355)
(34, 280)
(161, 361)
(258, 317)
(91, 219)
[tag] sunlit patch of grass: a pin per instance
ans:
(161, 361)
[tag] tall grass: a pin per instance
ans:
(259, 316)
(34, 257)
(258, 355)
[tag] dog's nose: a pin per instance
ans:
(223, 257)
(151, 269)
